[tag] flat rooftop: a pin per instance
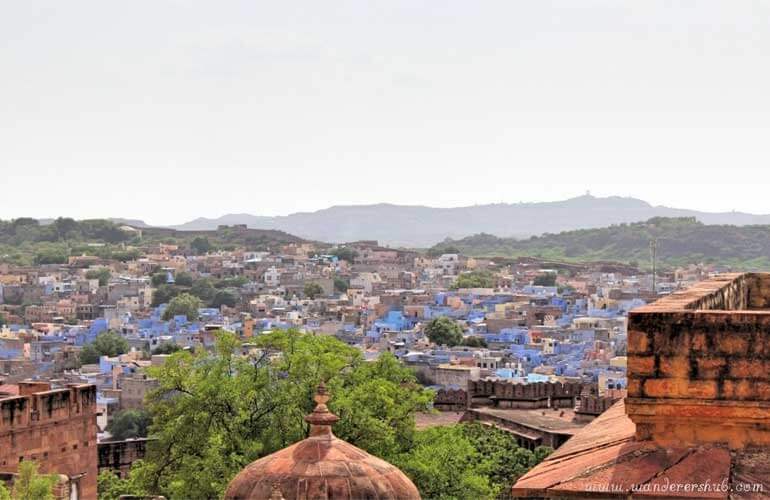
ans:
(546, 420)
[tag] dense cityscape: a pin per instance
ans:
(111, 355)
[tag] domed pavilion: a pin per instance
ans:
(321, 467)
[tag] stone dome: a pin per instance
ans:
(321, 467)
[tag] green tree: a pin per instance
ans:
(312, 290)
(31, 485)
(167, 348)
(224, 297)
(200, 245)
(2, 319)
(545, 279)
(204, 289)
(444, 331)
(111, 487)
(158, 278)
(128, 424)
(106, 344)
(216, 412)
(183, 279)
(163, 294)
(475, 279)
(183, 304)
(345, 253)
(51, 255)
(443, 464)
(505, 461)
(474, 341)
(340, 284)
(102, 274)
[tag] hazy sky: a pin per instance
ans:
(169, 110)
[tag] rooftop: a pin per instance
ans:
(546, 420)
(605, 460)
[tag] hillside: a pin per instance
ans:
(28, 241)
(680, 241)
(420, 226)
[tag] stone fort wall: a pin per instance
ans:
(55, 428)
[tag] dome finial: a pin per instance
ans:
(321, 420)
(275, 491)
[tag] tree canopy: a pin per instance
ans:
(312, 290)
(106, 344)
(545, 279)
(183, 304)
(102, 274)
(444, 331)
(216, 412)
(475, 279)
(466, 461)
(128, 424)
(31, 485)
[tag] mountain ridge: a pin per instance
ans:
(420, 226)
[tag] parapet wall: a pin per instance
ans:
(506, 394)
(56, 429)
(699, 374)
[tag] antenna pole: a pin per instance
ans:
(654, 256)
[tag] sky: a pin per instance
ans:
(168, 110)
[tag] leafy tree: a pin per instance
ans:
(106, 344)
(158, 278)
(441, 249)
(505, 461)
(102, 274)
(167, 348)
(340, 284)
(183, 279)
(224, 297)
(474, 341)
(443, 464)
(475, 279)
(444, 331)
(111, 487)
(30, 485)
(51, 255)
(183, 304)
(345, 253)
(163, 294)
(216, 412)
(2, 319)
(200, 245)
(204, 289)
(313, 290)
(234, 282)
(128, 424)
(545, 279)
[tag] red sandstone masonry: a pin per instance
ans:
(705, 353)
(57, 429)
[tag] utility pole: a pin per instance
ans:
(654, 256)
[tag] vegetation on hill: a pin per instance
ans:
(25, 241)
(475, 279)
(681, 241)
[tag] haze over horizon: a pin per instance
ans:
(190, 109)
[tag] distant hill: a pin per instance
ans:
(27, 241)
(680, 241)
(420, 227)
